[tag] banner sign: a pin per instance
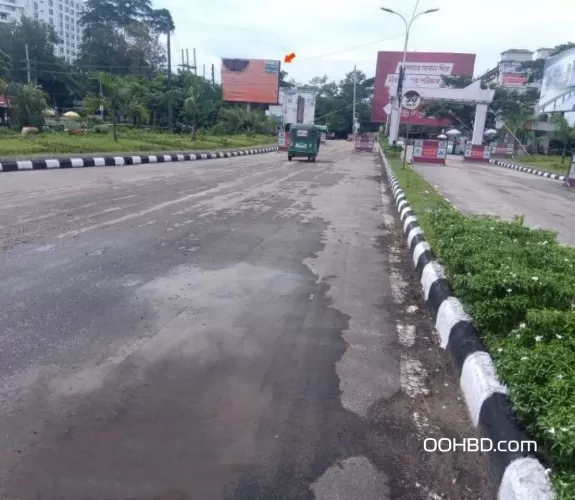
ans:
(502, 151)
(514, 81)
(423, 70)
(422, 81)
(427, 151)
(426, 68)
(477, 153)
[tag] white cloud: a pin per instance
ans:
(267, 29)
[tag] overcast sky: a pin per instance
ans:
(329, 37)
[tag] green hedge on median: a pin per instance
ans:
(519, 285)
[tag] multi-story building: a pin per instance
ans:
(63, 15)
(509, 71)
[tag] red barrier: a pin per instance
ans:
(429, 152)
(364, 143)
(502, 151)
(477, 153)
(283, 141)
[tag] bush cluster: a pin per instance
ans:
(518, 284)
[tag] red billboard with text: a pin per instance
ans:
(423, 70)
(250, 80)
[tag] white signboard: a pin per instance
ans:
(426, 68)
(288, 99)
(558, 87)
(387, 108)
(571, 175)
(411, 100)
(418, 81)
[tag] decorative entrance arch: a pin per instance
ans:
(472, 94)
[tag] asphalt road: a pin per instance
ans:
(242, 328)
(493, 190)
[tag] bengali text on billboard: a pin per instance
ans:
(558, 86)
(250, 80)
(423, 70)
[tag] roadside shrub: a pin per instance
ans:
(393, 151)
(518, 284)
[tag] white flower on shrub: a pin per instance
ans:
(522, 325)
(509, 290)
(534, 278)
(551, 430)
(524, 358)
(539, 338)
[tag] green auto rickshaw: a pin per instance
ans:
(304, 142)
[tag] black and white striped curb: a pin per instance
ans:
(521, 168)
(517, 474)
(118, 161)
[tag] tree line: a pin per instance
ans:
(123, 68)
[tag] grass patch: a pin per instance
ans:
(519, 285)
(546, 163)
(12, 144)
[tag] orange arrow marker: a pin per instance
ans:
(289, 57)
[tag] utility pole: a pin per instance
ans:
(27, 63)
(353, 129)
(187, 60)
(213, 76)
(204, 72)
(101, 96)
(170, 118)
(183, 65)
(195, 64)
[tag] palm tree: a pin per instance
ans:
(162, 22)
(120, 97)
(564, 132)
(28, 103)
(517, 123)
(192, 99)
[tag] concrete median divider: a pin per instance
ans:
(522, 168)
(118, 161)
(517, 474)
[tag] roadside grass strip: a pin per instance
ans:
(512, 336)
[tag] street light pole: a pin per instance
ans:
(353, 128)
(394, 124)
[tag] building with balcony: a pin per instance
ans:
(509, 72)
(63, 15)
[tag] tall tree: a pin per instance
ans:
(564, 133)
(121, 37)
(5, 67)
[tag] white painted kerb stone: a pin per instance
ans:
(478, 382)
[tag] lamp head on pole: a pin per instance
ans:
(385, 9)
(429, 11)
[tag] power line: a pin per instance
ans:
(349, 48)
